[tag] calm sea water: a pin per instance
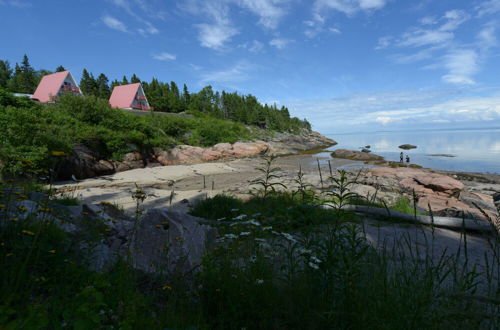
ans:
(475, 150)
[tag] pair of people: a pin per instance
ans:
(401, 158)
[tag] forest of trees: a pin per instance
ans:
(164, 97)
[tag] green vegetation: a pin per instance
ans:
(34, 135)
(279, 263)
(165, 97)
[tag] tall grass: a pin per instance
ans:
(279, 262)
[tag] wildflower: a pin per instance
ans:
(267, 228)
(313, 265)
(245, 233)
(27, 232)
(240, 217)
(235, 210)
(58, 153)
(303, 251)
(52, 251)
(14, 219)
(289, 237)
(166, 287)
(230, 236)
(220, 219)
(316, 260)
(259, 281)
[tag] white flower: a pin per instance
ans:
(220, 219)
(245, 233)
(313, 265)
(316, 260)
(303, 251)
(235, 210)
(259, 281)
(240, 217)
(256, 215)
(267, 228)
(289, 237)
(230, 236)
(260, 240)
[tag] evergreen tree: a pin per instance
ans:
(13, 84)
(114, 83)
(134, 79)
(5, 73)
(124, 80)
(102, 84)
(60, 68)
(88, 84)
(24, 79)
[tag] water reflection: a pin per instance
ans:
(475, 150)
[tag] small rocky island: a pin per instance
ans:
(407, 146)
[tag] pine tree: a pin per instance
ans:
(5, 73)
(185, 94)
(24, 78)
(124, 80)
(114, 83)
(88, 84)
(134, 79)
(60, 68)
(102, 84)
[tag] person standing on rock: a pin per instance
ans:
(407, 158)
(401, 157)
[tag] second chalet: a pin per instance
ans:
(129, 96)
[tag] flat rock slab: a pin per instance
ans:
(355, 155)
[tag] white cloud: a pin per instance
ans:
(348, 7)
(334, 30)
(113, 23)
(406, 109)
(226, 77)
(16, 3)
(255, 46)
(487, 37)
(462, 65)
(149, 29)
(384, 42)
(269, 11)
(214, 36)
(165, 57)
(488, 8)
(280, 43)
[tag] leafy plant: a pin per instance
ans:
(267, 182)
(340, 193)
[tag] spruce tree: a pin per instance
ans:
(134, 79)
(88, 84)
(25, 77)
(124, 80)
(102, 84)
(5, 73)
(60, 68)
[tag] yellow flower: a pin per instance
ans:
(58, 153)
(27, 232)
(166, 287)
(14, 219)
(52, 251)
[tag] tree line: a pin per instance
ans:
(164, 97)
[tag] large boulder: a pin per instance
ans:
(170, 241)
(355, 155)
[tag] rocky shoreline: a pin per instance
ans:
(86, 163)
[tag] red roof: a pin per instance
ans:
(123, 96)
(49, 86)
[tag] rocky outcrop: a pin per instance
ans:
(170, 241)
(287, 143)
(86, 163)
(445, 195)
(407, 146)
(355, 155)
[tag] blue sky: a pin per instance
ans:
(346, 65)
